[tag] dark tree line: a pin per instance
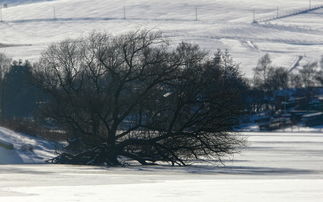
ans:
(133, 96)
(269, 79)
(19, 97)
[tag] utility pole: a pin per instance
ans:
(1, 19)
(124, 13)
(277, 11)
(196, 18)
(254, 16)
(54, 13)
(310, 4)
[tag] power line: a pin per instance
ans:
(1, 19)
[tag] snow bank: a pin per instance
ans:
(292, 129)
(17, 148)
(300, 129)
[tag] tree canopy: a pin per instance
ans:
(133, 96)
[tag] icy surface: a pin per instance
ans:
(221, 24)
(286, 167)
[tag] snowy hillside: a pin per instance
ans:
(17, 2)
(17, 148)
(220, 24)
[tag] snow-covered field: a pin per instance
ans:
(282, 166)
(286, 167)
(221, 24)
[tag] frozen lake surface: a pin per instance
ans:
(285, 167)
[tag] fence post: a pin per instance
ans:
(54, 13)
(1, 12)
(196, 18)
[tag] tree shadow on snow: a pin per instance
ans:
(226, 170)
(248, 170)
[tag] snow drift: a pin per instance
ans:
(18, 148)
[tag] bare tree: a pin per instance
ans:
(319, 75)
(319, 78)
(262, 70)
(277, 79)
(133, 96)
(295, 80)
(308, 74)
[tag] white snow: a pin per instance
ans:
(26, 149)
(280, 167)
(221, 24)
(176, 190)
(294, 129)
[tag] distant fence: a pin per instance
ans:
(53, 15)
(194, 13)
(286, 14)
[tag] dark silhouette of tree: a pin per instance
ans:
(319, 74)
(20, 96)
(295, 80)
(261, 71)
(5, 64)
(277, 79)
(308, 74)
(133, 96)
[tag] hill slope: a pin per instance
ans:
(17, 148)
(221, 24)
